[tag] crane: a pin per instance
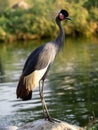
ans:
(38, 64)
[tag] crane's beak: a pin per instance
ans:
(67, 18)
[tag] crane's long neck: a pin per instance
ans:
(60, 38)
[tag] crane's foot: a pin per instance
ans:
(52, 120)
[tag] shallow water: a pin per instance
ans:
(71, 87)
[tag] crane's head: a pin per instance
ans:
(63, 14)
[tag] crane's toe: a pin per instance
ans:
(52, 120)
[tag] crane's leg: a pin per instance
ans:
(41, 97)
(45, 110)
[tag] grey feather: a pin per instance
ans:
(39, 62)
(44, 55)
(40, 58)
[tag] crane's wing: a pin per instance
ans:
(35, 68)
(38, 59)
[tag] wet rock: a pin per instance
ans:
(47, 125)
(8, 128)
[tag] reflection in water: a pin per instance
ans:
(1, 71)
(71, 87)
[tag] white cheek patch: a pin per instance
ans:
(61, 16)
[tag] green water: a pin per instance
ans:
(71, 87)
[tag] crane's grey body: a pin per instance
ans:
(38, 64)
(41, 58)
(37, 68)
(44, 55)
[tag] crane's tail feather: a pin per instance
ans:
(22, 92)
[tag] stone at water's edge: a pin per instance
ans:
(8, 128)
(47, 125)
(44, 125)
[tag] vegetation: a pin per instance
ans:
(38, 20)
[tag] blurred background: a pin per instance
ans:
(71, 87)
(22, 19)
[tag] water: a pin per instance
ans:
(71, 87)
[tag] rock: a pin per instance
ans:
(47, 125)
(8, 128)
(21, 4)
